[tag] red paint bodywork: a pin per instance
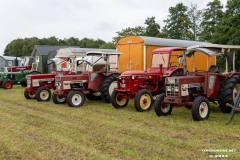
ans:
(152, 79)
(18, 68)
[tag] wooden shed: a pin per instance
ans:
(7, 61)
(137, 52)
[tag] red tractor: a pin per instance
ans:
(39, 85)
(143, 85)
(94, 85)
(196, 89)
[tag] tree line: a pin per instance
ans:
(212, 24)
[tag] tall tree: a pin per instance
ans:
(178, 23)
(153, 28)
(212, 16)
(136, 31)
(195, 18)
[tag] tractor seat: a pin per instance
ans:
(214, 69)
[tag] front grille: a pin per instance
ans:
(172, 90)
(58, 78)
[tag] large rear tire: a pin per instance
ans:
(228, 92)
(58, 99)
(75, 99)
(200, 108)
(108, 86)
(161, 108)
(143, 100)
(43, 94)
(118, 100)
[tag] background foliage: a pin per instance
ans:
(214, 24)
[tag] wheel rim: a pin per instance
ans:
(145, 101)
(8, 85)
(111, 87)
(203, 109)
(44, 95)
(60, 99)
(236, 91)
(120, 99)
(165, 107)
(31, 95)
(76, 99)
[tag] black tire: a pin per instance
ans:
(228, 92)
(200, 108)
(43, 94)
(23, 82)
(162, 109)
(178, 72)
(7, 84)
(107, 87)
(75, 98)
(58, 100)
(118, 101)
(143, 100)
(93, 97)
(28, 95)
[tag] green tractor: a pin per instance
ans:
(8, 79)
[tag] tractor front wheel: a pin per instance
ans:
(200, 108)
(161, 108)
(43, 94)
(58, 99)
(75, 98)
(7, 85)
(143, 100)
(118, 100)
(28, 95)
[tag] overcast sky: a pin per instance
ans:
(79, 18)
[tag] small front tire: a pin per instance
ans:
(143, 100)
(118, 100)
(43, 94)
(7, 84)
(58, 99)
(161, 108)
(28, 95)
(200, 108)
(75, 98)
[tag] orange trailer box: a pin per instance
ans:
(137, 52)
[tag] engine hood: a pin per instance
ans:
(137, 73)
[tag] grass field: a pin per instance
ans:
(43, 130)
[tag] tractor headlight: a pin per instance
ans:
(122, 83)
(133, 77)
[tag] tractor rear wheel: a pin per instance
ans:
(58, 99)
(200, 108)
(43, 94)
(28, 95)
(228, 92)
(23, 83)
(75, 98)
(161, 108)
(143, 100)
(108, 86)
(118, 100)
(7, 84)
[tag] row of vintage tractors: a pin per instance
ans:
(167, 82)
(93, 77)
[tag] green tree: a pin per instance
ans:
(177, 24)
(136, 31)
(153, 28)
(212, 16)
(194, 15)
(108, 45)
